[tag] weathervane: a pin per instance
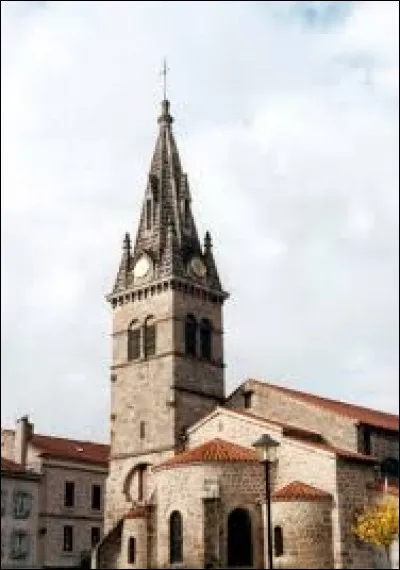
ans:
(164, 72)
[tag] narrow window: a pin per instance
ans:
(133, 344)
(3, 502)
(148, 215)
(96, 497)
(367, 441)
(141, 475)
(278, 541)
(131, 550)
(142, 430)
(175, 537)
(149, 340)
(390, 468)
(22, 504)
(68, 538)
(69, 494)
(94, 535)
(247, 400)
(206, 339)
(19, 545)
(190, 335)
(186, 212)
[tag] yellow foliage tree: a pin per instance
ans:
(378, 524)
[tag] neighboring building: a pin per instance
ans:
(19, 516)
(185, 488)
(71, 493)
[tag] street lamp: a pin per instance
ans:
(267, 448)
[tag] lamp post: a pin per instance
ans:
(266, 448)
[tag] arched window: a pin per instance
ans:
(133, 341)
(149, 338)
(149, 214)
(278, 541)
(190, 335)
(206, 339)
(390, 468)
(175, 537)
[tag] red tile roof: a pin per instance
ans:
(136, 513)
(71, 449)
(214, 451)
(298, 491)
(8, 465)
(363, 415)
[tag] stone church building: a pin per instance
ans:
(185, 487)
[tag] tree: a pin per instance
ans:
(378, 524)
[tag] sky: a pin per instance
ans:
(286, 119)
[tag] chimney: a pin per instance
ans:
(23, 434)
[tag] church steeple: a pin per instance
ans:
(167, 233)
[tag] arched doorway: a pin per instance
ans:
(240, 544)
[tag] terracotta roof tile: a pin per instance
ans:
(298, 491)
(71, 449)
(363, 415)
(216, 450)
(136, 513)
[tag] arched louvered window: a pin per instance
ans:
(175, 537)
(278, 541)
(149, 337)
(190, 335)
(206, 339)
(134, 341)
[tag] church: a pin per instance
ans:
(186, 487)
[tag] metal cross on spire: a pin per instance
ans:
(164, 72)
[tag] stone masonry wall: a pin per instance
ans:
(276, 405)
(353, 482)
(307, 534)
(182, 489)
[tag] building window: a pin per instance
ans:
(68, 545)
(3, 502)
(367, 441)
(390, 468)
(133, 344)
(142, 429)
(247, 399)
(131, 550)
(141, 475)
(278, 541)
(94, 536)
(190, 335)
(149, 338)
(19, 545)
(149, 215)
(206, 339)
(22, 504)
(175, 537)
(69, 494)
(96, 497)
(186, 212)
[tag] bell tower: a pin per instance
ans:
(167, 366)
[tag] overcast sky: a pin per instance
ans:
(286, 118)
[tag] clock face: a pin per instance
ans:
(142, 267)
(198, 267)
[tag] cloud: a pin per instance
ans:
(286, 123)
